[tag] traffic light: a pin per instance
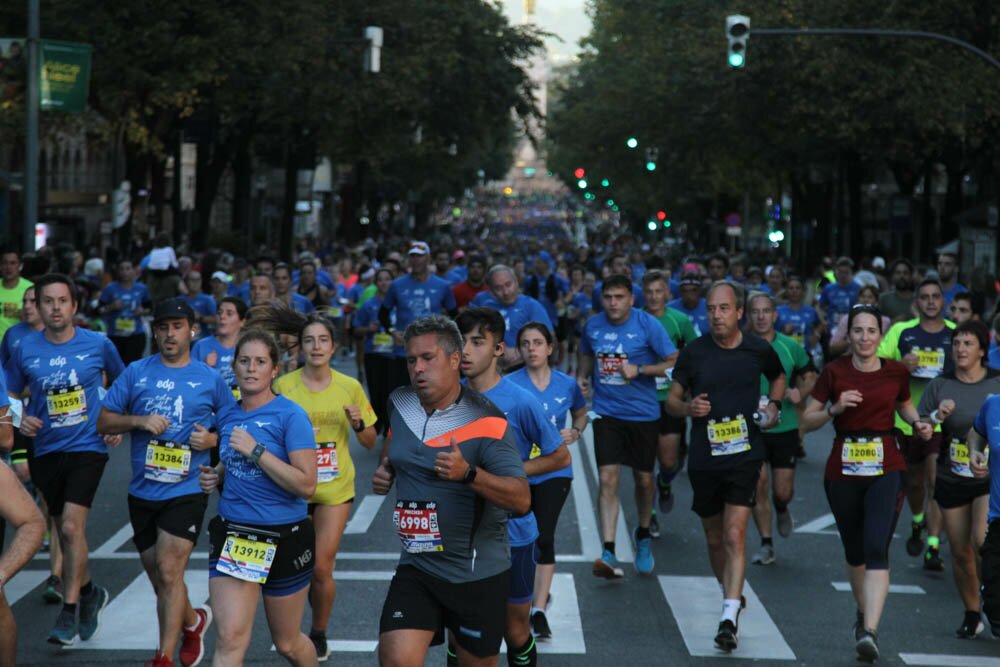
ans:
(738, 34)
(605, 183)
(651, 155)
(661, 215)
(582, 184)
(632, 142)
(579, 172)
(651, 225)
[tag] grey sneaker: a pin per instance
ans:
(867, 646)
(764, 555)
(91, 608)
(786, 524)
(64, 632)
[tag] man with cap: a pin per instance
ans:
(691, 302)
(168, 403)
(414, 295)
(219, 285)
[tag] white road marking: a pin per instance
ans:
(129, 621)
(114, 542)
(820, 526)
(845, 587)
(364, 515)
(23, 583)
(623, 541)
(564, 620)
(696, 603)
(932, 660)
(586, 518)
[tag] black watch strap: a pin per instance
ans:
(470, 475)
(361, 428)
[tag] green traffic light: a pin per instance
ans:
(605, 183)
(651, 225)
(632, 142)
(582, 184)
(611, 202)
(650, 166)
(736, 60)
(666, 223)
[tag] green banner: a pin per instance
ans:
(65, 75)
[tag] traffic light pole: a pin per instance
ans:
(30, 191)
(873, 32)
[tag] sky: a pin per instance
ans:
(566, 18)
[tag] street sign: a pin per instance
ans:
(733, 219)
(734, 231)
(64, 75)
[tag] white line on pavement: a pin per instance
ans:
(23, 583)
(590, 538)
(364, 515)
(564, 620)
(696, 603)
(845, 587)
(114, 542)
(820, 526)
(932, 660)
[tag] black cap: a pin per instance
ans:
(173, 309)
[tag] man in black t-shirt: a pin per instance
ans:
(719, 373)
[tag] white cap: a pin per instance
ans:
(220, 275)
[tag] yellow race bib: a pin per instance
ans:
(862, 457)
(166, 461)
(66, 406)
(728, 436)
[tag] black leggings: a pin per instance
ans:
(547, 499)
(866, 510)
(379, 374)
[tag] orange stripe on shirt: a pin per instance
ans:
(486, 427)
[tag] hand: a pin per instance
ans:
(30, 426)
(923, 430)
(384, 474)
(397, 338)
(569, 435)
(242, 442)
(212, 358)
(945, 409)
(699, 406)
(208, 480)
(977, 461)
(450, 464)
(848, 399)
(910, 361)
(772, 415)
(113, 440)
(353, 416)
(630, 371)
(155, 424)
(202, 438)
(584, 384)
(793, 396)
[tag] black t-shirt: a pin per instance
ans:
(728, 436)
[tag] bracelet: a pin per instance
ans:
(936, 418)
(829, 411)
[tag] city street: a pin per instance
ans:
(799, 609)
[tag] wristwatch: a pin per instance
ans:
(638, 370)
(257, 452)
(362, 428)
(470, 475)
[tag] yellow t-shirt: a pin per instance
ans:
(10, 304)
(335, 469)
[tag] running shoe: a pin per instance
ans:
(608, 567)
(53, 590)
(867, 646)
(725, 638)
(540, 625)
(64, 631)
(193, 639)
(932, 560)
(91, 608)
(764, 555)
(915, 543)
(971, 626)
(322, 647)
(654, 526)
(859, 625)
(666, 496)
(160, 660)
(644, 561)
(786, 524)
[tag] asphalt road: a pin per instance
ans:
(797, 613)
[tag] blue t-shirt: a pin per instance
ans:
(949, 294)
(803, 321)
(583, 304)
(239, 291)
(993, 358)
(203, 305)
(302, 304)
(249, 495)
(562, 287)
(837, 300)
(223, 361)
(65, 381)
(597, 297)
(531, 429)
(458, 275)
(557, 400)
(124, 322)
(413, 299)
(12, 340)
(365, 315)
(523, 310)
(185, 396)
(357, 289)
(323, 278)
(987, 424)
(641, 339)
(698, 315)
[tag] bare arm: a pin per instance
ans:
(109, 423)
(815, 415)
(298, 476)
(584, 371)
(510, 493)
(6, 429)
(20, 511)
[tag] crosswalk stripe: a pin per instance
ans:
(364, 515)
(932, 660)
(696, 603)
(845, 587)
(590, 537)
(129, 621)
(23, 583)
(819, 526)
(623, 541)
(114, 542)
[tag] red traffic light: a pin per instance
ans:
(661, 215)
(579, 173)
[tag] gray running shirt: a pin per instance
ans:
(969, 398)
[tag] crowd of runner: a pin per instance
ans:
(481, 358)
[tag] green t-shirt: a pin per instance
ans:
(368, 293)
(10, 304)
(794, 361)
(681, 331)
